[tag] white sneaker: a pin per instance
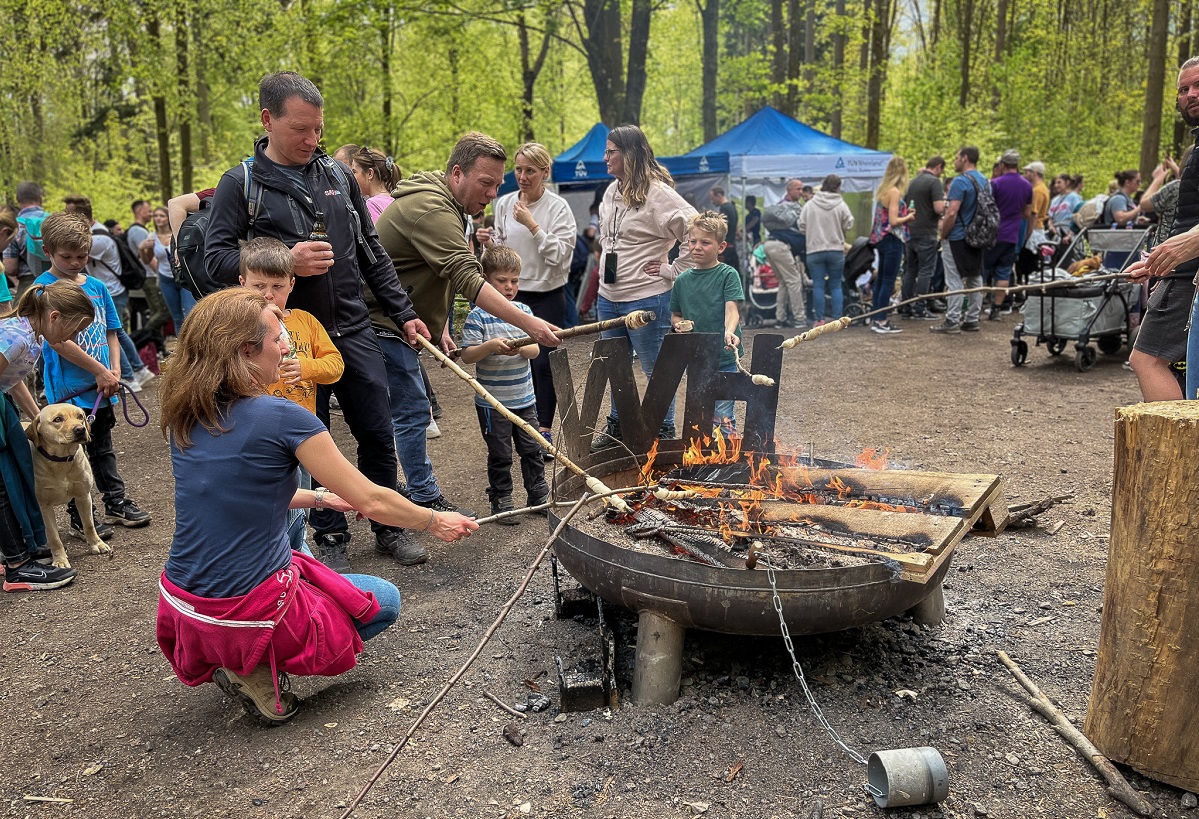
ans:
(143, 376)
(432, 431)
(131, 385)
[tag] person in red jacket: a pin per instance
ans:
(237, 606)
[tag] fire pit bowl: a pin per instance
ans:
(729, 601)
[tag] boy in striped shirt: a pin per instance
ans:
(507, 376)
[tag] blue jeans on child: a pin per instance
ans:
(826, 266)
(179, 299)
(130, 360)
(389, 603)
(645, 341)
(725, 409)
(297, 519)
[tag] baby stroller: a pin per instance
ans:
(855, 298)
(761, 289)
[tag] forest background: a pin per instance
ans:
(119, 99)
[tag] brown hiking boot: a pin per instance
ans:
(256, 693)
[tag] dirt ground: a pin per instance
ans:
(94, 714)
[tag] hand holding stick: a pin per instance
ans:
(594, 485)
(831, 327)
(633, 321)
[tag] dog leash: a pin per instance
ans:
(122, 392)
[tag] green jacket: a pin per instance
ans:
(424, 232)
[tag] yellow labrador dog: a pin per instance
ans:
(61, 472)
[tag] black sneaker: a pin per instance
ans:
(34, 576)
(607, 439)
(440, 504)
(503, 503)
(42, 554)
(667, 431)
(126, 513)
(102, 529)
(969, 326)
(402, 546)
(937, 306)
(995, 313)
(537, 500)
(947, 327)
(331, 550)
(435, 406)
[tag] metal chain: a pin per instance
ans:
(799, 675)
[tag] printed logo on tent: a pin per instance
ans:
(580, 170)
(840, 164)
(703, 164)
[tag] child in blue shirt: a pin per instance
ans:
(90, 363)
(706, 299)
(505, 374)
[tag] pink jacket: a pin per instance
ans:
(299, 620)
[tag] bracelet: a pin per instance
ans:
(320, 497)
(432, 518)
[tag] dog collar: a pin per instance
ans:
(57, 458)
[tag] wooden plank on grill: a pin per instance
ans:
(931, 533)
(965, 493)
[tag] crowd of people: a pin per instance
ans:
(327, 269)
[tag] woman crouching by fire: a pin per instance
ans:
(237, 606)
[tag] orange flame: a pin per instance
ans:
(872, 458)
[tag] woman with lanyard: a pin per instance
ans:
(236, 605)
(539, 226)
(641, 218)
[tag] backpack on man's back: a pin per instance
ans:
(132, 273)
(983, 230)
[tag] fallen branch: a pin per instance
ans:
(1117, 786)
(461, 672)
(504, 705)
(633, 321)
(594, 485)
(1024, 517)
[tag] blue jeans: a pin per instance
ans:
(726, 418)
(130, 360)
(1193, 350)
(890, 256)
(297, 519)
(645, 341)
(826, 266)
(389, 603)
(179, 299)
(410, 416)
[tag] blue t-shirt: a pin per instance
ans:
(63, 377)
(232, 492)
(509, 378)
(962, 190)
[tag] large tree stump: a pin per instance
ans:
(1144, 709)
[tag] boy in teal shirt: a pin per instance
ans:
(705, 299)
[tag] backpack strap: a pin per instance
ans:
(252, 190)
(339, 178)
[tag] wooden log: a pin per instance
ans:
(1144, 707)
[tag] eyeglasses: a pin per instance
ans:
(611, 151)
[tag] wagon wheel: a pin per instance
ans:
(1085, 358)
(753, 320)
(1019, 352)
(854, 309)
(1055, 346)
(1109, 345)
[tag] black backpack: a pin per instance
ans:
(983, 229)
(187, 248)
(132, 273)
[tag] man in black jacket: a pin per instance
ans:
(299, 185)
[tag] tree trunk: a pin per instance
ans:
(809, 44)
(1184, 54)
(605, 57)
(794, 56)
(1000, 46)
(385, 29)
(1144, 707)
(1151, 130)
(182, 67)
(162, 131)
(936, 23)
(779, 57)
(838, 69)
(710, 17)
(965, 27)
(638, 52)
(880, 41)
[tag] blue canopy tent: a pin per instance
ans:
(770, 147)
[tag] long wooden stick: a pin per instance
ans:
(594, 485)
(633, 321)
(461, 672)
(1117, 785)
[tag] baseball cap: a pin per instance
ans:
(1036, 167)
(1010, 158)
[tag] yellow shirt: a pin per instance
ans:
(320, 362)
(1040, 205)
